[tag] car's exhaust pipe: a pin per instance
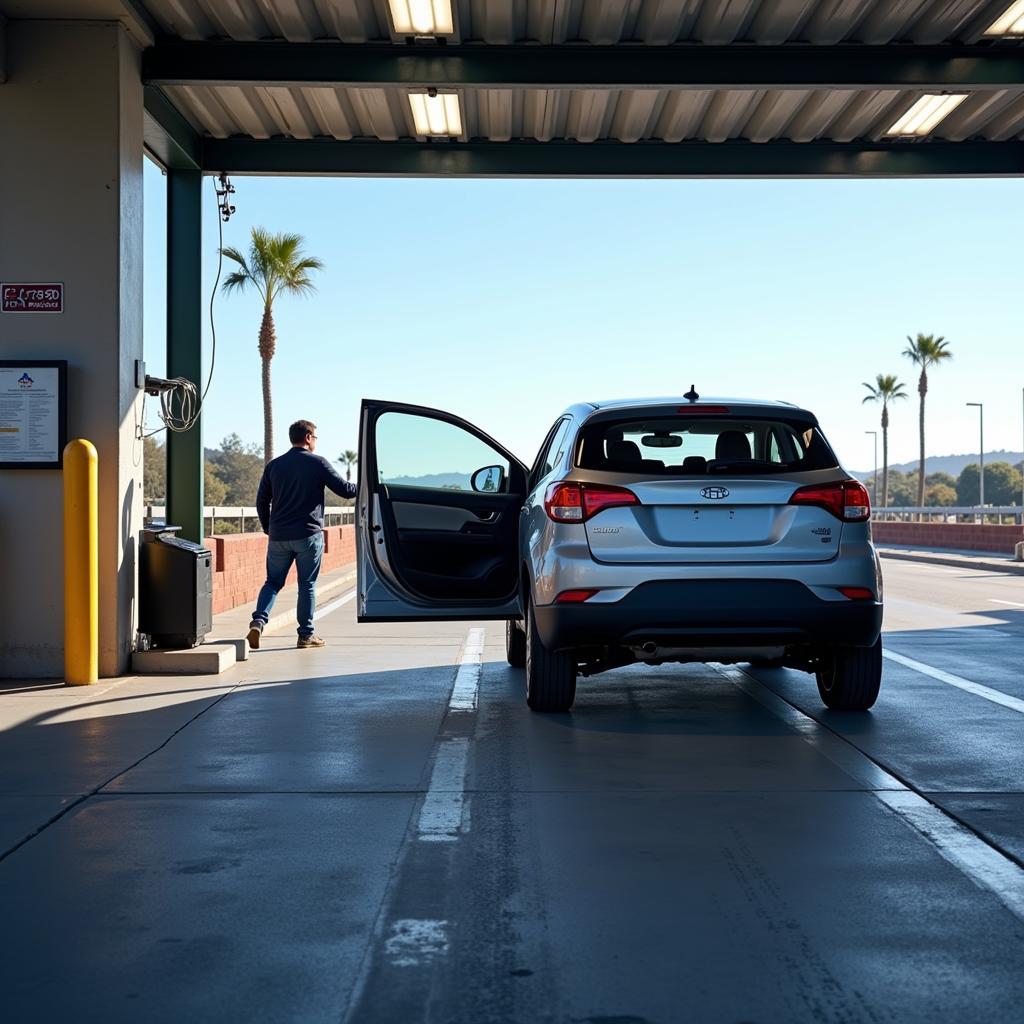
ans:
(650, 647)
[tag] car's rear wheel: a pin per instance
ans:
(515, 643)
(550, 675)
(849, 677)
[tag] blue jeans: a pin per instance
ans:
(306, 554)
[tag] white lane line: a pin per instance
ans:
(983, 864)
(441, 814)
(995, 696)
(444, 814)
(1012, 604)
(333, 605)
(826, 742)
(467, 680)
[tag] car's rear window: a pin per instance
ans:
(701, 446)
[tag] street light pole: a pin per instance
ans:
(981, 444)
(874, 479)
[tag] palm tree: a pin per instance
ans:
(350, 458)
(925, 350)
(886, 389)
(276, 265)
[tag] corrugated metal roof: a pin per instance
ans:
(591, 114)
(587, 115)
(653, 22)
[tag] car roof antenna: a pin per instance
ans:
(691, 395)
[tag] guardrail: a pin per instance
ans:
(333, 515)
(999, 514)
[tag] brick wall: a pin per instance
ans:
(968, 536)
(240, 562)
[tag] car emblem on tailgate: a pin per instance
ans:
(714, 492)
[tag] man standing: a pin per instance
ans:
(290, 504)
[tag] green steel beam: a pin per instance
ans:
(166, 133)
(615, 159)
(736, 66)
(185, 344)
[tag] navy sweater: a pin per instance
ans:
(290, 499)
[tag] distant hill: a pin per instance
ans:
(460, 480)
(952, 464)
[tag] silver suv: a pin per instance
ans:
(664, 530)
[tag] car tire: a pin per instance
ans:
(515, 643)
(550, 675)
(849, 677)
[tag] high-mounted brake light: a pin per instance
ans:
(847, 500)
(571, 502)
(704, 410)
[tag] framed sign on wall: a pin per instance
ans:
(32, 298)
(33, 413)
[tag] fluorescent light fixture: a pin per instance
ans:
(422, 17)
(436, 113)
(1009, 23)
(926, 113)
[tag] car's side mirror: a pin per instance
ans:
(489, 480)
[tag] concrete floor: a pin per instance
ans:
(318, 836)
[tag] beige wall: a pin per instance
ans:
(71, 211)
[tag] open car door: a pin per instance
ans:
(437, 518)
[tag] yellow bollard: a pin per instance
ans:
(81, 564)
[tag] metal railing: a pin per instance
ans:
(991, 514)
(333, 516)
(337, 516)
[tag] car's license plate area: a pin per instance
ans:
(709, 526)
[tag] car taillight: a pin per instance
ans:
(571, 502)
(575, 596)
(564, 503)
(845, 499)
(856, 593)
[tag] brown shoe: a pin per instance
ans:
(311, 641)
(254, 634)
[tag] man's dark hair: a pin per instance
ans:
(299, 429)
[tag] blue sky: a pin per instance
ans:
(505, 301)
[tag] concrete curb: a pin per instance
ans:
(958, 561)
(324, 592)
(204, 660)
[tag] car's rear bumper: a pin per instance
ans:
(711, 613)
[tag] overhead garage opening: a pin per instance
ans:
(648, 89)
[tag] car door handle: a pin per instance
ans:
(486, 517)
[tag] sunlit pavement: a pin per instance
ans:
(380, 831)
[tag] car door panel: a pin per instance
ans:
(411, 515)
(455, 549)
(429, 552)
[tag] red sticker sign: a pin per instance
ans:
(32, 298)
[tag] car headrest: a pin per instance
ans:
(732, 444)
(624, 451)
